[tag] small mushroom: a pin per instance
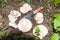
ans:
(13, 24)
(13, 15)
(39, 18)
(12, 18)
(43, 31)
(24, 25)
(25, 8)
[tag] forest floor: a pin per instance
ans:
(48, 12)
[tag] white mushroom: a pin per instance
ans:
(25, 8)
(13, 15)
(39, 14)
(12, 18)
(13, 24)
(24, 25)
(43, 31)
(39, 18)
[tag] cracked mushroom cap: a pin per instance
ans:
(12, 18)
(25, 8)
(13, 24)
(24, 25)
(13, 15)
(43, 31)
(39, 18)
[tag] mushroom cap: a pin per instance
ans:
(13, 24)
(25, 8)
(12, 18)
(39, 18)
(15, 13)
(39, 15)
(43, 31)
(24, 25)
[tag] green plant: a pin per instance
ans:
(55, 2)
(55, 36)
(56, 22)
(22, 37)
(37, 30)
(27, 1)
(19, 0)
(3, 33)
(16, 37)
(1, 1)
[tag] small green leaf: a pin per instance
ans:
(19, 0)
(1, 1)
(56, 21)
(27, 1)
(55, 2)
(57, 15)
(3, 33)
(37, 30)
(55, 36)
(58, 29)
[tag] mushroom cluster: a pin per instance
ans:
(24, 24)
(43, 30)
(14, 14)
(13, 17)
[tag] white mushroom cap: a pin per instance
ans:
(13, 24)
(12, 18)
(39, 18)
(15, 13)
(43, 31)
(39, 15)
(25, 8)
(24, 25)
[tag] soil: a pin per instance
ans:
(48, 12)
